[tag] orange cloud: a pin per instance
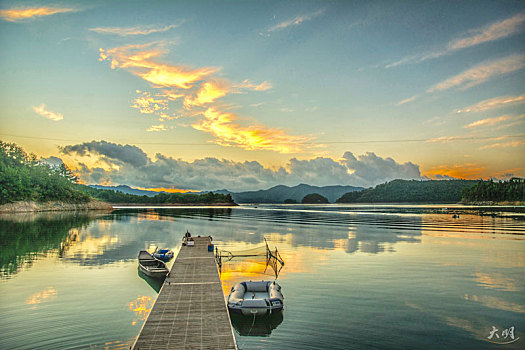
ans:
(139, 59)
(138, 30)
(147, 104)
(160, 127)
(488, 121)
(443, 139)
(208, 93)
(172, 95)
(196, 89)
(458, 171)
(168, 190)
(515, 143)
(13, 15)
(493, 103)
(251, 138)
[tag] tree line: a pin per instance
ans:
(512, 190)
(112, 196)
(413, 191)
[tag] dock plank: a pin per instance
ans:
(190, 312)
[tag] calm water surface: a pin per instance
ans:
(355, 276)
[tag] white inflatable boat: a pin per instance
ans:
(256, 298)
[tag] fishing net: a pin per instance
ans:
(270, 257)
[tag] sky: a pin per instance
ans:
(245, 95)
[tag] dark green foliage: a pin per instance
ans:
(490, 191)
(26, 240)
(23, 178)
(414, 191)
(290, 201)
(112, 196)
(314, 198)
(278, 194)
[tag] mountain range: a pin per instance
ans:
(280, 193)
(276, 194)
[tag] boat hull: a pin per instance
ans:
(151, 266)
(153, 273)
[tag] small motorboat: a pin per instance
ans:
(163, 254)
(151, 266)
(256, 298)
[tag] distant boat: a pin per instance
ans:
(163, 254)
(256, 298)
(151, 266)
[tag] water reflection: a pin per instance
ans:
(39, 297)
(403, 276)
(155, 283)
(141, 307)
(26, 237)
(256, 326)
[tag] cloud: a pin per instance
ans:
(159, 127)
(374, 169)
(147, 104)
(443, 139)
(481, 73)
(207, 93)
(131, 166)
(246, 84)
(406, 100)
(457, 171)
(493, 103)
(295, 21)
(494, 121)
(515, 143)
(137, 30)
(198, 90)
(140, 60)
(495, 31)
(109, 152)
(492, 32)
(41, 110)
(19, 14)
(253, 137)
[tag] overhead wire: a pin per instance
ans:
(459, 138)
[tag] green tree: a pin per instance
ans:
(314, 198)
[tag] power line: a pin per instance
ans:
(465, 138)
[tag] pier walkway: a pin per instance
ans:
(190, 312)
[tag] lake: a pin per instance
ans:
(355, 276)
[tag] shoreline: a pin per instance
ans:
(33, 207)
(174, 204)
(489, 203)
(52, 206)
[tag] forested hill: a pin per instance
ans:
(112, 196)
(411, 191)
(24, 178)
(490, 191)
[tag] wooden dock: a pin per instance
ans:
(190, 312)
